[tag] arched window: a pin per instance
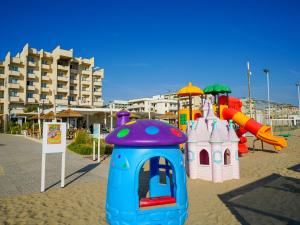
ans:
(227, 157)
(204, 157)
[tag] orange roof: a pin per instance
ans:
(190, 90)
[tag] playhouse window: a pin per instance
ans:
(156, 183)
(204, 157)
(227, 157)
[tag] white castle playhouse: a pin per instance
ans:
(212, 148)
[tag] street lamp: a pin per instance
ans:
(298, 85)
(249, 88)
(266, 71)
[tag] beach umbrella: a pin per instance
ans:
(48, 116)
(215, 89)
(69, 113)
(189, 91)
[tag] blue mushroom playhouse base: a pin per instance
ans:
(166, 202)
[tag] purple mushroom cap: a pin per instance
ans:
(146, 133)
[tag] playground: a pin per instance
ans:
(264, 175)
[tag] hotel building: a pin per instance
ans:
(38, 77)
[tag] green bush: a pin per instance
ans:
(83, 137)
(25, 126)
(83, 144)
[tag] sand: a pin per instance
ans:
(267, 193)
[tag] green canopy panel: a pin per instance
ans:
(216, 89)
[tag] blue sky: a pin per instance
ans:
(150, 47)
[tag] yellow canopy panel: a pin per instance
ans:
(190, 90)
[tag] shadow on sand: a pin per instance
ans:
(81, 172)
(272, 200)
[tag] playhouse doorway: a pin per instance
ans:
(156, 183)
(227, 157)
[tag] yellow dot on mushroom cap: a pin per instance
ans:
(130, 122)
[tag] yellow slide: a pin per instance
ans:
(260, 131)
(264, 134)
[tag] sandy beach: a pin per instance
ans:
(267, 193)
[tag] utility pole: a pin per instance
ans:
(298, 85)
(249, 89)
(266, 71)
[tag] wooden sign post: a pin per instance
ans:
(54, 141)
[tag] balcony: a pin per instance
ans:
(61, 67)
(61, 101)
(1, 88)
(46, 67)
(1, 100)
(66, 53)
(32, 64)
(45, 101)
(74, 81)
(98, 72)
(88, 72)
(85, 92)
(73, 102)
(16, 60)
(98, 83)
(63, 78)
(84, 103)
(98, 103)
(87, 82)
(31, 100)
(14, 73)
(30, 88)
(62, 90)
(74, 92)
(31, 75)
(97, 93)
(1, 76)
(14, 98)
(14, 85)
(74, 71)
(45, 89)
(46, 78)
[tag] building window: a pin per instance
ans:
(29, 83)
(43, 96)
(44, 85)
(74, 67)
(58, 97)
(60, 74)
(72, 77)
(44, 62)
(204, 157)
(72, 88)
(13, 93)
(30, 59)
(13, 80)
(71, 98)
(44, 73)
(227, 157)
(14, 68)
(60, 85)
(1, 71)
(30, 71)
(29, 95)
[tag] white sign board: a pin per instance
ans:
(54, 137)
(96, 130)
(54, 141)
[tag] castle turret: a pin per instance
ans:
(217, 159)
(233, 138)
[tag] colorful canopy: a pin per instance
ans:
(146, 133)
(216, 89)
(190, 90)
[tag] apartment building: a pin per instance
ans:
(35, 77)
